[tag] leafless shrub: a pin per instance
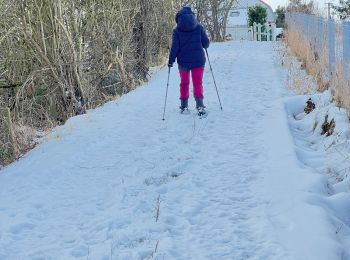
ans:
(327, 127)
(301, 6)
(60, 57)
(213, 14)
(154, 252)
(157, 208)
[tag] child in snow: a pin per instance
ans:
(189, 39)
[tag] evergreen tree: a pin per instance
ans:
(280, 12)
(257, 14)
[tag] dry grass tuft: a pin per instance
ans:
(328, 127)
(341, 88)
(313, 62)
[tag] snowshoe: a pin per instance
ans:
(201, 112)
(184, 110)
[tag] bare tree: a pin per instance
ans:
(301, 6)
(213, 14)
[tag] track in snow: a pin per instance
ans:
(91, 190)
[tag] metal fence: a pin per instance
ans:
(257, 32)
(325, 37)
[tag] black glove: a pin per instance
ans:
(170, 65)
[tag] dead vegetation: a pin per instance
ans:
(313, 61)
(328, 127)
(341, 89)
(310, 106)
(314, 55)
(59, 58)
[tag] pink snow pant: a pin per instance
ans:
(197, 78)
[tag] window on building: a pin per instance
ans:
(234, 14)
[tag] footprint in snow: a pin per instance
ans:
(20, 228)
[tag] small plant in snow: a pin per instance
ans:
(314, 126)
(151, 256)
(328, 127)
(310, 106)
(157, 209)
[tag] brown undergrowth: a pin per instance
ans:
(59, 58)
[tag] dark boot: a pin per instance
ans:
(199, 103)
(184, 104)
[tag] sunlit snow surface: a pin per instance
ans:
(120, 183)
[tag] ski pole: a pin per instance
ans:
(166, 93)
(211, 69)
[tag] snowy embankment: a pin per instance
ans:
(327, 155)
(120, 183)
(325, 151)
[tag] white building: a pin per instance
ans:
(237, 23)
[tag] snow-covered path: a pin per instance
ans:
(120, 183)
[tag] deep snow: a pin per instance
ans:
(230, 186)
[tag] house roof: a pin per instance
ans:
(244, 4)
(265, 3)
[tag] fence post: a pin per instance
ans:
(305, 26)
(319, 33)
(311, 31)
(331, 48)
(346, 49)
(273, 32)
(254, 32)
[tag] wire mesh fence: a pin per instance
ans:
(323, 37)
(326, 46)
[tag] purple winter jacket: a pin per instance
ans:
(189, 39)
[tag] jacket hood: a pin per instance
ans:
(186, 20)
